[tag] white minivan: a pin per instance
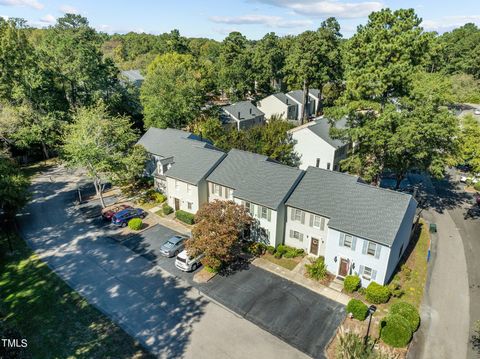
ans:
(186, 263)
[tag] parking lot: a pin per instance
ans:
(293, 313)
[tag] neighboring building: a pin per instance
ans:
(279, 105)
(180, 165)
(261, 185)
(133, 76)
(358, 228)
(312, 101)
(242, 115)
(315, 146)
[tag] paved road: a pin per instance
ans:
(299, 316)
(444, 332)
(469, 229)
(169, 317)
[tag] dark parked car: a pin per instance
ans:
(121, 218)
(173, 246)
(109, 213)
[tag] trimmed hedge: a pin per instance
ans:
(287, 251)
(395, 331)
(135, 224)
(167, 209)
(377, 294)
(185, 217)
(409, 312)
(358, 309)
(351, 283)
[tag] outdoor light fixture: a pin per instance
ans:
(371, 310)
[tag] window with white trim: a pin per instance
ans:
(264, 213)
(367, 273)
(177, 184)
(296, 235)
(189, 205)
(297, 215)
(216, 189)
(318, 222)
(189, 188)
(347, 241)
(247, 207)
(371, 248)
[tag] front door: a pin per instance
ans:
(177, 204)
(343, 268)
(314, 246)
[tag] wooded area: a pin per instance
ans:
(396, 83)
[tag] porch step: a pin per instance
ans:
(336, 284)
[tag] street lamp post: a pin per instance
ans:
(371, 310)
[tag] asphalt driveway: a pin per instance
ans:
(291, 312)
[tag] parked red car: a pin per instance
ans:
(109, 213)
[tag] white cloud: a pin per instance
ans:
(67, 9)
(48, 19)
(271, 21)
(448, 23)
(324, 8)
(25, 3)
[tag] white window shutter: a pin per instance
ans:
(269, 214)
(311, 219)
(259, 211)
(301, 237)
(322, 224)
(378, 248)
(374, 274)
(354, 243)
(360, 271)
(342, 239)
(303, 217)
(292, 214)
(364, 248)
(220, 191)
(291, 233)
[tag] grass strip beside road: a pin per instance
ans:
(56, 321)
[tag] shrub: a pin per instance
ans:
(255, 248)
(396, 289)
(159, 197)
(271, 249)
(406, 271)
(185, 217)
(377, 293)
(135, 224)
(281, 250)
(351, 283)
(352, 345)
(358, 309)
(291, 252)
(409, 312)
(395, 331)
(167, 209)
(317, 269)
(476, 186)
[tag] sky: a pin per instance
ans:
(253, 18)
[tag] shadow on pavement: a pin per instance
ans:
(157, 309)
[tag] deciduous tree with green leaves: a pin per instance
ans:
(171, 93)
(470, 143)
(13, 187)
(268, 61)
(98, 143)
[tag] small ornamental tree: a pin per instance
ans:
(217, 233)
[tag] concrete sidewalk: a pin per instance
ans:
(298, 277)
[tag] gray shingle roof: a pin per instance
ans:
(321, 128)
(193, 158)
(298, 94)
(133, 75)
(282, 97)
(256, 178)
(246, 108)
(353, 207)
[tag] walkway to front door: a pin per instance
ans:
(343, 268)
(314, 246)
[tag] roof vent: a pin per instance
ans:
(239, 115)
(250, 110)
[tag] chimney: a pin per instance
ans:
(238, 115)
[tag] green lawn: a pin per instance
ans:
(288, 263)
(55, 320)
